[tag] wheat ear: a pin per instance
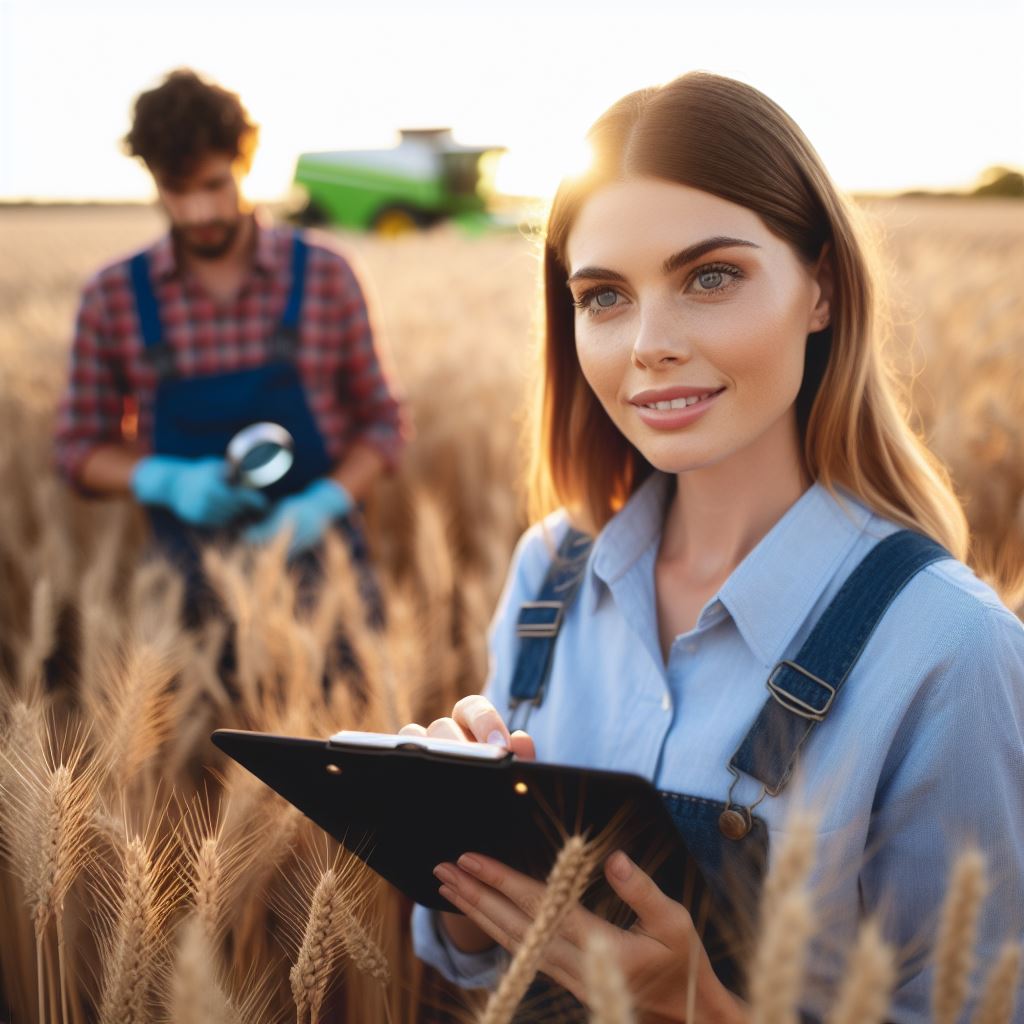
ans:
(954, 951)
(607, 992)
(132, 955)
(870, 975)
(364, 952)
(1000, 993)
(46, 817)
(565, 885)
(207, 879)
(778, 968)
(130, 703)
(312, 967)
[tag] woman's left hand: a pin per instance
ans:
(654, 954)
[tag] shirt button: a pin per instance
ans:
(691, 647)
(666, 702)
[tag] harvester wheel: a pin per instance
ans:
(392, 221)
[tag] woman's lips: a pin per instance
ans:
(672, 419)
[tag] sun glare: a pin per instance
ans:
(538, 171)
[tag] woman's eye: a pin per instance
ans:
(597, 300)
(715, 278)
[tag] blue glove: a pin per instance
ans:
(307, 514)
(195, 490)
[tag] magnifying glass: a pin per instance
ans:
(259, 455)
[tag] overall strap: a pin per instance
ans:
(157, 352)
(286, 338)
(540, 620)
(804, 690)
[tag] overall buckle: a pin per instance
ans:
(546, 625)
(793, 703)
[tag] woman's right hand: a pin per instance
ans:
(473, 720)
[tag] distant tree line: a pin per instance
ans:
(1004, 182)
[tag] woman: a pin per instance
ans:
(716, 414)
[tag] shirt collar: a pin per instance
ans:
(163, 260)
(265, 251)
(772, 591)
(632, 530)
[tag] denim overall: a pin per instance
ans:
(198, 416)
(730, 842)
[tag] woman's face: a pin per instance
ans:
(683, 297)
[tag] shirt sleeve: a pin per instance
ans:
(379, 417)
(954, 776)
(467, 970)
(90, 410)
(526, 574)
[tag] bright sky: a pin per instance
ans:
(892, 93)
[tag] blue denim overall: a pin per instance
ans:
(730, 842)
(198, 416)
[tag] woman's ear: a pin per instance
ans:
(824, 275)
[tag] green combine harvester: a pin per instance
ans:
(428, 177)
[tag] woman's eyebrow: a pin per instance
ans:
(674, 262)
(694, 252)
(602, 273)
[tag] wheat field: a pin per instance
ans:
(144, 878)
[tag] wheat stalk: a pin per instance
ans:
(196, 993)
(565, 885)
(999, 995)
(958, 927)
(43, 632)
(778, 968)
(868, 983)
(604, 983)
(792, 861)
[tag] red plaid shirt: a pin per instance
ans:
(338, 363)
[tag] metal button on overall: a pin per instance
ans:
(734, 823)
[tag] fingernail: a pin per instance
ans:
(469, 863)
(447, 894)
(621, 866)
(444, 873)
(497, 737)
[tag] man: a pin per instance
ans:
(223, 322)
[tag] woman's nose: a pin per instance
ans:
(661, 338)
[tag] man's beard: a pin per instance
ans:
(184, 240)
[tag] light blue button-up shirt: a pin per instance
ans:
(922, 752)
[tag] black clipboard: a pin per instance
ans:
(403, 811)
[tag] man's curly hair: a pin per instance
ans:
(185, 118)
